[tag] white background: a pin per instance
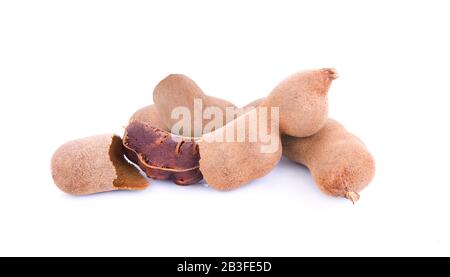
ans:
(70, 69)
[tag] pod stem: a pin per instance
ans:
(332, 73)
(352, 196)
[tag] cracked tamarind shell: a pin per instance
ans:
(160, 155)
(340, 163)
(302, 100)
(177, 90)
(224, 165)
(94, 164)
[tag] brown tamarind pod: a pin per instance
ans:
(219, 103)
(177, 90)
(149, 114)
(303, 101)
(224, 164)
(254, 104)
(94, 164)
(303, 106)
(227, 165)
(340, 163)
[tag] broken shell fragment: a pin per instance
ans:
(94, 164)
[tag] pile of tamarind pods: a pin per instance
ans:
(340, 163)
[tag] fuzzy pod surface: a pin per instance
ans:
(148, 114)
(229, 164)
(340, 163)
(179, 91)
(94, 164)
(225, 165)
(303, 101)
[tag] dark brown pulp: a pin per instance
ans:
(162, 156)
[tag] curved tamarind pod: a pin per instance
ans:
(339, 162)
(219, 103)
(254, 104)
(177, 90)
(148, 114)
(303, 101)
(227, 165)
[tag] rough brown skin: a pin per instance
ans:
(94, 164)
(339, 162)
(224, 165)
(160, 156)
(229, 165)
(149, 114)
(302, 99)
(303, 102)
(177, 90)
(253, 104)
(219, 102)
